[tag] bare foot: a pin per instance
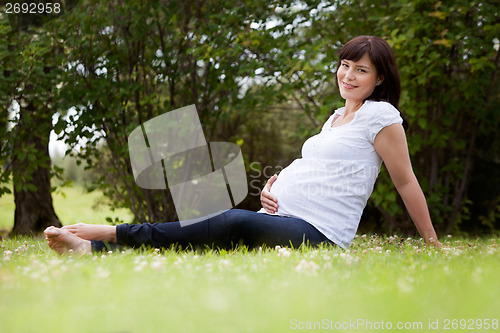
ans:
(62, 241)
(95, 232)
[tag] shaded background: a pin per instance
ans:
(262, 75)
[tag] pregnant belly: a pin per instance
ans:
(313, 180)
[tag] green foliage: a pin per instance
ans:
(449, 66)
(448, 55)
(30, 65)
(126, 70)
(262, 74)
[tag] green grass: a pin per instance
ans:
(272, 290)
(378, 279)
(72, 205)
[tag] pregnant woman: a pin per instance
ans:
(318, 198)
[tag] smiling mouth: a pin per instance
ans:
(348, 86)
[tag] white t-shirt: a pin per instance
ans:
(330, 185)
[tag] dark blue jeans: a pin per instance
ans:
(227, 230)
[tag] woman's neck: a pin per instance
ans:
(352, 106)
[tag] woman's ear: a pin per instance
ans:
(380, 80)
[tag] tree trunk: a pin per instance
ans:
(32, 195)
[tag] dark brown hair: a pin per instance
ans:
(383, 58)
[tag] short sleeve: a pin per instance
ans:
(382, 115)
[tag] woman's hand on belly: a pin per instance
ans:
(268, 200)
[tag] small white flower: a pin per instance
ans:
(140, 266)
(178, 262)
(138, 259)
(54, 262)
(156, 264)
(225, 262)
(7, 255)
(306, 266)
(102, 273)
(284, 252)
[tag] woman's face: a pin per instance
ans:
(357, 80)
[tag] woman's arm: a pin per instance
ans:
(390, 144)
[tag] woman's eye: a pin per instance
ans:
(345, 65)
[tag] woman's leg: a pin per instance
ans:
(225, 230)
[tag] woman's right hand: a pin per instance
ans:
(268, 200)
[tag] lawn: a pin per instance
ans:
(72, 205)
(379, 284)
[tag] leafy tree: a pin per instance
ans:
(450, 65)
(130, 63)
(448, 54)
(30, 74)
(262, 74)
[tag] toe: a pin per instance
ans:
(51, 232)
